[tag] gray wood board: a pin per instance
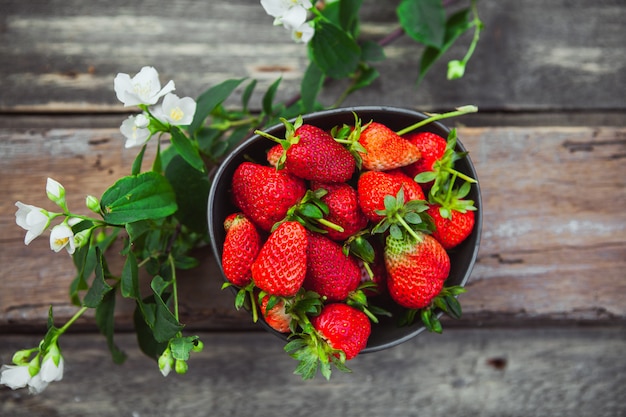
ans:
(481, 372)
(62, 56)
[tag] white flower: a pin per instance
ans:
(61, 237)
(36, 384)
(175, 111)
(55, 192)
(135, 130)
(303, 33)
(143, 88)
(52, 367)
(166, 361)
(290, 13)
(14, 376)
(32, 219)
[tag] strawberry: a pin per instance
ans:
(241, 246)
(275, 316)
(312, 153)
(452, 230)
(280, 267)
(385, 149)
(373, 186)
(343, 209)
(432, 148)
(343, 327)
(417, 269)
(330, 272)
(264, 194)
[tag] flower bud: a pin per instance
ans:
(56, 193)
(21, 356)
(166, 361)
(197, 345)
(93, 204)
(181, 367)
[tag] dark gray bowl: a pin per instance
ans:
(386, 333)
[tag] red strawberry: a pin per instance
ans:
(343, 209)
(384, 149)
(241, 246)
(431, 146)
(330, 272)
(265, 194)
(343, 327)
(373, 186)
(276, 317)
(452, 230)
(280, 267)
(312, 153)
(274, 154)
(417, 269)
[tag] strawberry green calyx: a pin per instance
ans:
(310, 212)
(359, 300)
(443, 169)
(290, 138)
(245, 298)
(446, 301)
(451, 199)
(401, 217)
(459, 111)
(349, 137)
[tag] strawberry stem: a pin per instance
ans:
(407, 227)
(331, 225)
(458, 112)
(459, 174)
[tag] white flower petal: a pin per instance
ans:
(303, 34)
(61, 237)
(32, 219)
(14, 377)
(36, 384)
(54, 189)
(135, 136)
(143, 88)
(50, 371)
(294, 17)
(175, 111)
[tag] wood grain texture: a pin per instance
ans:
(553, 245)
(541, 372)
(61, 56)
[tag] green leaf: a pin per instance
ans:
(423, 20)
(372, 51)
(365, 77)
(129, 284)
(166, 326)
(191, 188)
(268, 97)
(247, 94)
(349, 15)
(138, 197)
(187, 149)
(333, 50)
(182, 346)
(455, 26)
(99, 288)
(209, 100)
(311, 85)
(145, 338)
(105, 320)
(136, 168)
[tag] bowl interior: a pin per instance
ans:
(386, 333)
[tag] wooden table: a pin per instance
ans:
(544, 325)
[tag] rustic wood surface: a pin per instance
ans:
(544, 325)
(61, 56)
(540, 372)
(550, 249)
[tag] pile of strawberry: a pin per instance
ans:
(335, 218)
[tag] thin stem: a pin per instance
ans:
(170, 259)
(458, 112)
(72, 320)
(407, 227)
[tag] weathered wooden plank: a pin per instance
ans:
(63, 55)
(554, 235)
(542, 372)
